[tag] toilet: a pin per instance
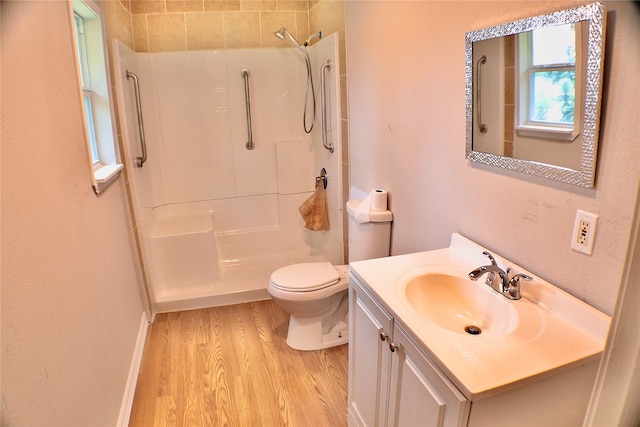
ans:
(316, 294)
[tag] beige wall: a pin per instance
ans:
(407, 113)
(70, 309)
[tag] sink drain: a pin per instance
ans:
(473, 330)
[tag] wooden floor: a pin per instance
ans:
(231, 366)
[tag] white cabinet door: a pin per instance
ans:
(419, 394)
(370, 333)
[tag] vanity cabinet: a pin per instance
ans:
(369, 359)
(391, 383)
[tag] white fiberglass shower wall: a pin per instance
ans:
(214, 219)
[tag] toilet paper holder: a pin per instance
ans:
(322, 177)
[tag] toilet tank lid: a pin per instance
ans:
(305, 276)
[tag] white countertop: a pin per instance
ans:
(556, 331)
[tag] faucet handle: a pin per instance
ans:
(491, 258)
(491, 277)
(517, 277)
(513, 288)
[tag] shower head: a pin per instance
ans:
(282, 34)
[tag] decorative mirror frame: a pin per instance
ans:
(585, 177)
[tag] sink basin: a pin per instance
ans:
(460, 305)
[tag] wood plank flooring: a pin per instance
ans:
(231, 366)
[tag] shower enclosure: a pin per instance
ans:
(215, 215)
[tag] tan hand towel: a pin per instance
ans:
(314, 210)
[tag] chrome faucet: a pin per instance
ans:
(509, 287)
(491, 276)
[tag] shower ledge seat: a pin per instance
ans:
(195, 264)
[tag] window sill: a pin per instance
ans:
(554, 133)
(104, 175)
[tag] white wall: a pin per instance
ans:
(70, 303)
(407, 113)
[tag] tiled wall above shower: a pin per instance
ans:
(168, 25)
(165, 25)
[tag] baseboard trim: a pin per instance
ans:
(134, 369)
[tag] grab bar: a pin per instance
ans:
(136, 87)
(323, 102)
(482, 126)
(247, 99)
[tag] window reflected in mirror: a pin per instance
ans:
(534, 76)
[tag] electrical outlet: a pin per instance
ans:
(584, 231)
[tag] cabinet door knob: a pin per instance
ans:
(393, 347)
(383, 336)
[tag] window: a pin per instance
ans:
(549, 68)
(94, 85)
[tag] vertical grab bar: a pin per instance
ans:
(247, 99)
(143, 144)
(481, 126)
(323, 102)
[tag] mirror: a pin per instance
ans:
(533, 90)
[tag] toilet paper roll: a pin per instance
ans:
(378, 200)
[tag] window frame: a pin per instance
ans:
(94, 93)
(525, 71)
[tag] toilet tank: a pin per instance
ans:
(370, 239)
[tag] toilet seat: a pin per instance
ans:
(305, 277)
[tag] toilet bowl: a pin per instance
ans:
(316, 294)
(316, 297)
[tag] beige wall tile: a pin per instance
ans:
(301, 5)
(273, 21)
(147, 6)
(509, 126)
(241, 29)
(258, 4)
(302, 26)
(140, 33)
(126, 4)
(184, 6)
(510, 50)
(156, 28)
(346, 178)
(205, 31)
(167, 32)
(508, 148)
(509, 85)
(344, 105)
(344, 129)
(118, 23)
(220, 5)
(327, 16)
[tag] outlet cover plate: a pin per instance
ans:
(584, 232)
